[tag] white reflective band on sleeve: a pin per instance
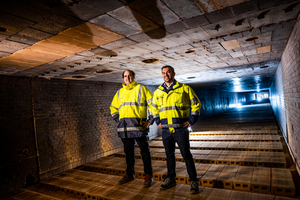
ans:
(171, 125)
(173, 108)
(130, 129)
(113, 106)
(149, 100)
(114, 114)
(154, 116)
(155, 106)
(194, 99)
(140, 95)
(195, 113)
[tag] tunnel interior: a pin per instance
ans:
(61, 63)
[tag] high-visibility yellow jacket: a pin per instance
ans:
(129, 109)
(172, 108)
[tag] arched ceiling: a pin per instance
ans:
(235, 45)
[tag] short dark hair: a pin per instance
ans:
(168, 66)
(130, 71)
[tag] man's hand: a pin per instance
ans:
(186, 124)
(146, 125)
(159, 126)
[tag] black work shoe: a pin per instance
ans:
(194, 187)
(148, 181)
(168, 183)
(126, 179)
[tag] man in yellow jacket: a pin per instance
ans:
(129, 110)
(171, 111)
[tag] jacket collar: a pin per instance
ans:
(130, 86)
(175, 85)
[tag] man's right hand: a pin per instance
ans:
(159, 126)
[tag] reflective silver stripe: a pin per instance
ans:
(154, 116)
(173, 108)
(130, 129)
(113, 106)
(114, 114)
(195, 113)
(132, 104)
(194, 99)
(149, 100)
(154, 105)
(128, 104)
(140, 95)
(171, 125)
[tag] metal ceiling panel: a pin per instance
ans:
(219, 15)
(98, 31)
(242, 8)
(92, 40)
(133, 19)
(141, 37)
(184, 8)
(264, 49)
(90, 9)
(13, 21)
(217, 29)
(138, 50)
(197, 34)
(230, 44)
(180, 38)
(176, 27)
(236, 54)
(155, 11)
(11, 47)
(164, 42)
(71, 42)
(150, 46)
(114, 25)
(264, 37)
(118, 44)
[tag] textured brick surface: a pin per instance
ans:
(73, 127)
(291, 85)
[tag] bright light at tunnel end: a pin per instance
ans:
(238, 105)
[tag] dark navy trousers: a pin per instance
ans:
(181, 137)
(129, 146)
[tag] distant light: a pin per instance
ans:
(259, 98)
(238, 105)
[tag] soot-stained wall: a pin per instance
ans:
(290, 65)
(72, 122)
(277, 101)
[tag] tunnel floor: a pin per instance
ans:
(239, 154)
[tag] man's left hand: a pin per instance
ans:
(146, 125)
(186, 124)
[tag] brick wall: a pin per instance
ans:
(291, 87)
(18, 163)
(277, 101)
(73, 127)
